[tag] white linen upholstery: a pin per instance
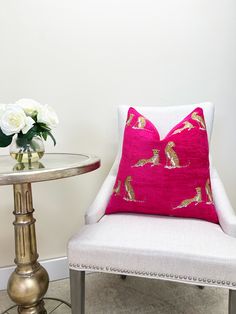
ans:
(184, 250)
(97, 209)
(225, 211)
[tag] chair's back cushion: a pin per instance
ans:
(165, 173)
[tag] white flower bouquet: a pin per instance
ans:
(26, 119)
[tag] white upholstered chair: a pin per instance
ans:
(183, 250)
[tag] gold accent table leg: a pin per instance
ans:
(29, 282)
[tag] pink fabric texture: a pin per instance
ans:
(167, 176)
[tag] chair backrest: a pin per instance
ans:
(164, 118)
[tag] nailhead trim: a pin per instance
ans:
(151, 274)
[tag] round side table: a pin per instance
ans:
(28, 284)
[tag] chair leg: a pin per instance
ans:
(77, 291)
(232, 301)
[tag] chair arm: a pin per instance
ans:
(225, 211)
(97, 209)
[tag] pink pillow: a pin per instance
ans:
(164, 177)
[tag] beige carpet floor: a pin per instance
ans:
(109, 294)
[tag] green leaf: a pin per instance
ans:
(5, 140)
(53, 138)
(44, 135)
(43, 126)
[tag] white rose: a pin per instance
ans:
(29, 106)
(14, 120)
(47, 115)
(29, 122)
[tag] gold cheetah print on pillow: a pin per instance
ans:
(140, 124)
(154, 160)
(196, 199)
(130, 195)
(116, 190)
(187, 126)
(130, 118)
(199, 120)
(172, 159)
(209, 192)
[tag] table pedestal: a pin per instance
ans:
(29, 282)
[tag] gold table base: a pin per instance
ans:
(28, 284)
(61, 302)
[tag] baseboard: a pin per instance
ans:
(57, 268)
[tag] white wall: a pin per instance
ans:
(84, 57)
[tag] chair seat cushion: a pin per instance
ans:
(187, 250)
(168, 176)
